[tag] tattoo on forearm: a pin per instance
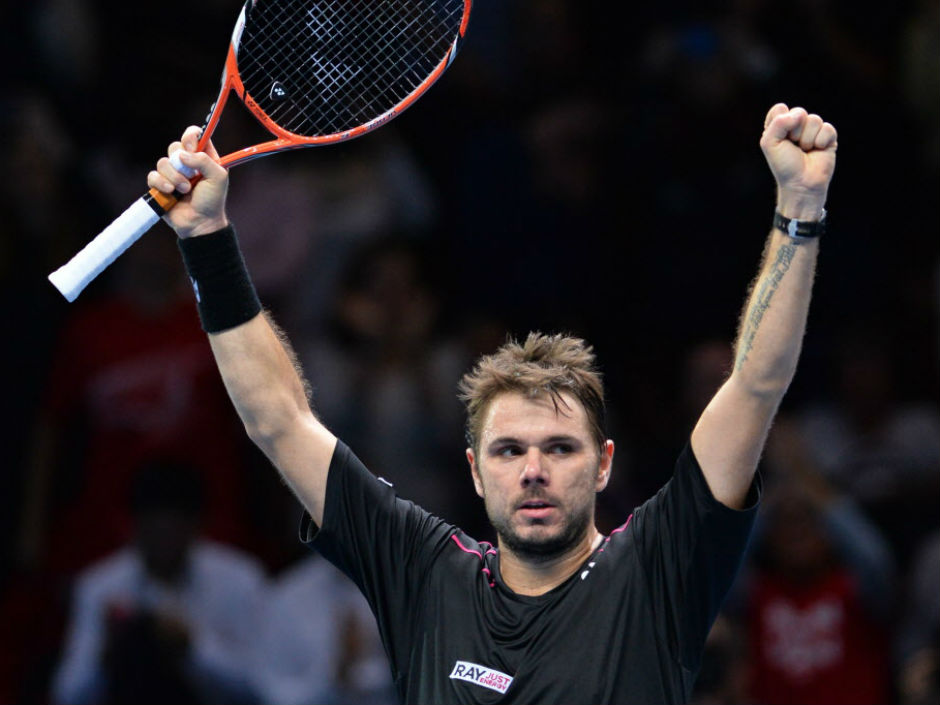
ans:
(760, 301)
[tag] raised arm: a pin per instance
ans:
(257, 364)
(729, 437)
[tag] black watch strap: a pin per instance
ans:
(806, 229)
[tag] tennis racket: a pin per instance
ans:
(312, 72)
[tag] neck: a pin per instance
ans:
(527, 577)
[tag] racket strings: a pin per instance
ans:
(323, 67)
(393, 39)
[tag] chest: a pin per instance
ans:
(591, 640)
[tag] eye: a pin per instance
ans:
(560, 448)
(509, 451)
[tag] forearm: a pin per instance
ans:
(800, 150)
(255, 359)
(773, 321)
(729, 436)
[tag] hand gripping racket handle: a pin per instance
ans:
(71, 278)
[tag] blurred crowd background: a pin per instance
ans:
(577, 169)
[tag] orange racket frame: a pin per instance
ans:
(75, 275)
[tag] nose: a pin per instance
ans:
(533, 472)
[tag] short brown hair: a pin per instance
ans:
(543, 364)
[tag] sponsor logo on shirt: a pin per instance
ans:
(481, 675)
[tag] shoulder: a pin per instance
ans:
(391, 522)
(689, 480)
(113, 573)
(684, 510)
(348, 471)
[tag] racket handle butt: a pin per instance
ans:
(72, 277)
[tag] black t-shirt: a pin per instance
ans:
(628, 627)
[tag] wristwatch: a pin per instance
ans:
(800, 229)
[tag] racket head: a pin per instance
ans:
(316, 72)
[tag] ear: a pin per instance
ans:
(475, 472)
(605, 466)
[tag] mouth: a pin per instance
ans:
(536, 508)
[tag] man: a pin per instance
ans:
(558, 612)
(169, 617)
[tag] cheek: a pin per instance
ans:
(586, 484)
(495, 498)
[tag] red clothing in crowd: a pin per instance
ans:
(137, 386)
(815, 644)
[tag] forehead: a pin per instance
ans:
(512, 414)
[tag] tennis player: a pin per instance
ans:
(556, 612)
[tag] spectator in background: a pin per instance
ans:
(918, 639)
(132, 378)
(38, 210)
(168, 618)
(919, 679)
(543, 184)
(328, 208)
(722, 679)
(879, 450)
(821, 593)
(920, 76)
(318, 642)
(386, 379)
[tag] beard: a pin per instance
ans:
(547, 548)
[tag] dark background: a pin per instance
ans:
(571, 171)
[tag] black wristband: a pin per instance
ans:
(225, 295)
(800, 229)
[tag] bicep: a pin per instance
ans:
(729, 437)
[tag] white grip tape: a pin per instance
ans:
(186, 171)
(75, 275)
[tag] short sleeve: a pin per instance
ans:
(383, 543)
(691, 547)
